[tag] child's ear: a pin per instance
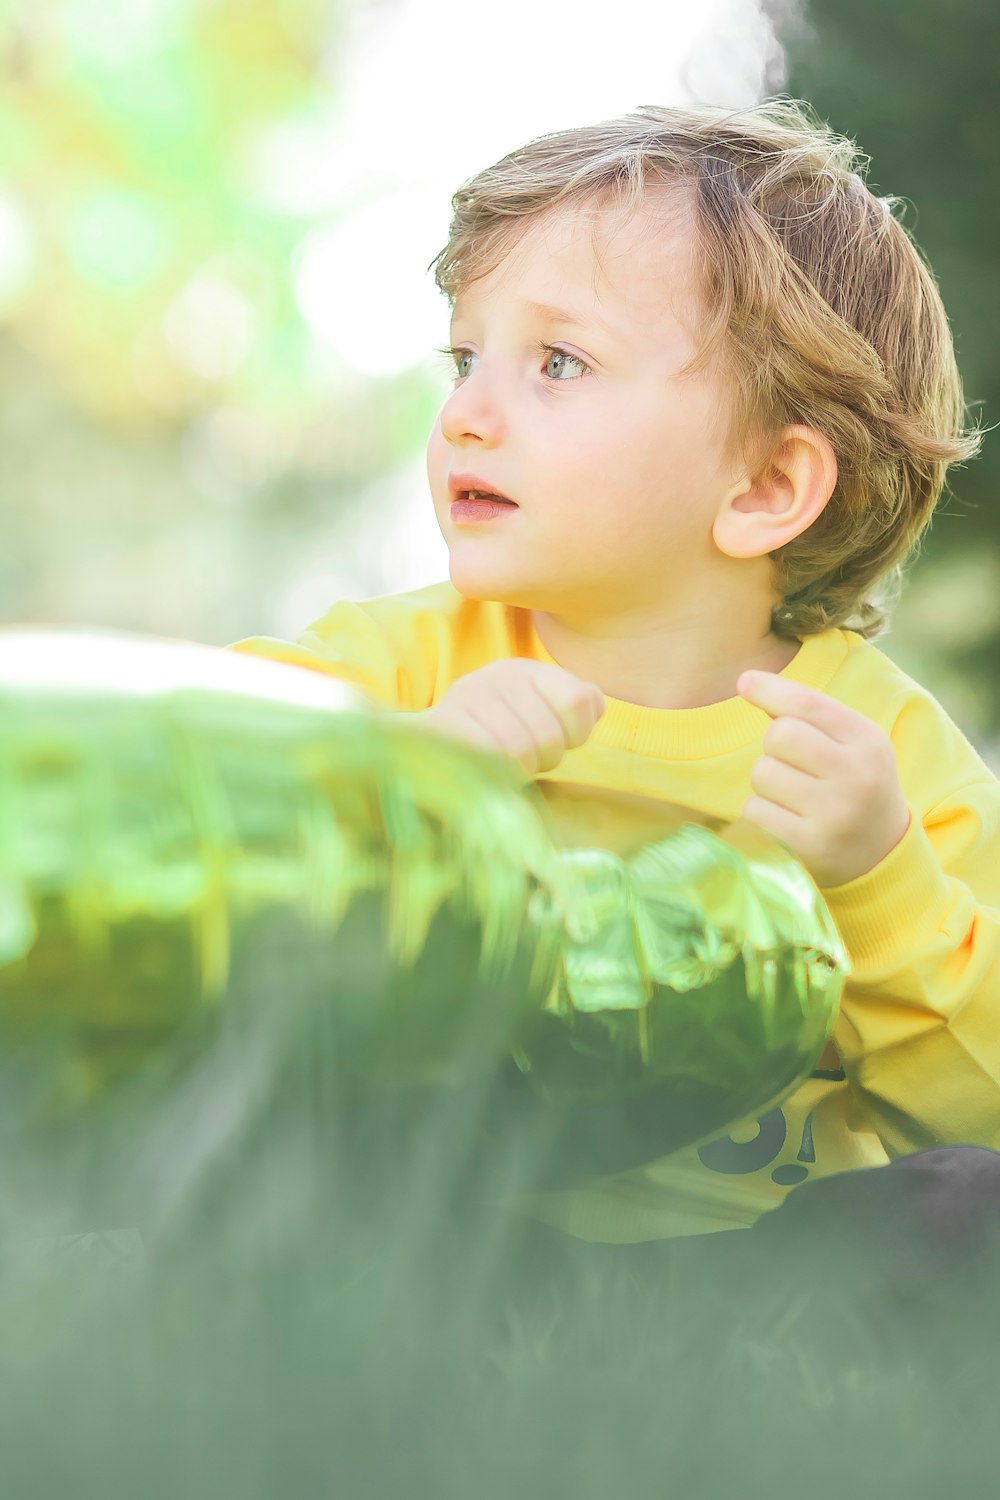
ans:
(764, 512)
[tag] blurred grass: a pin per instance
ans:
(208, 1293)
(359, 1364)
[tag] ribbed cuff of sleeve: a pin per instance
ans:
(885, 915)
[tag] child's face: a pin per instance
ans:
(618, 464)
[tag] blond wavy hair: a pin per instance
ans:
(819, 310)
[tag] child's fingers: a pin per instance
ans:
(518, 725)
(531, 729)
(577, 704)
(532, 711)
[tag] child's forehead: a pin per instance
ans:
(640, 257)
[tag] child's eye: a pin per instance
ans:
(454, 357)
(555, 353)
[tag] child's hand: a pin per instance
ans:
(532, 711)
(827, 784)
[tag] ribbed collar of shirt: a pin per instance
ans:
(716, 728)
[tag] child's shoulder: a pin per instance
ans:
(439, 599)
(866, 667)
(415, 644)
(869, 672)
(921, 728)
(445, 624)
(419, 619)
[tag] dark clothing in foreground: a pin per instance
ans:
(897, 1257)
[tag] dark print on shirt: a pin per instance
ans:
(738, 1157)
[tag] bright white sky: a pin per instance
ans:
(429, 92)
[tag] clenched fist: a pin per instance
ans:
(532, 711)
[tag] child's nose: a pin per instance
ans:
(474, 410)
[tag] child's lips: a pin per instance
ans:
(468, 486)
(481, 510)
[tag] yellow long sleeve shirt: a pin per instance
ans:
(914, 1060)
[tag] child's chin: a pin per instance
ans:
(483, 583)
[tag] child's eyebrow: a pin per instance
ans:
(551, 314)
(562, 315)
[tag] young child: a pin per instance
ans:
(705, 400)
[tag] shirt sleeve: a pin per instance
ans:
(388, 658)
(919, 1025)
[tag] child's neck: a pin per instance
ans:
(671, 666)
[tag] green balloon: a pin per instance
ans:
(610, 976)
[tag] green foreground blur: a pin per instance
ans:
(295, 1000)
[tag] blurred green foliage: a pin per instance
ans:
(129, 143)
(914, 82)
(174, 435)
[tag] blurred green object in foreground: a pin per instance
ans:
(613, 977)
